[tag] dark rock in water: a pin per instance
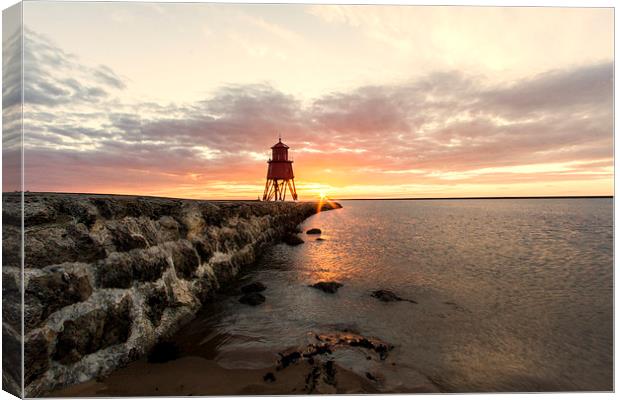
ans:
(313, 231)
(253, 287)
(269, 377)
(288, 359)
(356, 340)
(163, 352)
(319, 355)
(388, 296)
(328, 287)
(329, 373)
(252, 299)
(292, 239)
(319, 239)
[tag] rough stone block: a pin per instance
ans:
(184, 258)
(56, 244)
(53, 291)
(93, 331)
(36, 356)
(120, 270)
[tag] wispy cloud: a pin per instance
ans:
(449, 126)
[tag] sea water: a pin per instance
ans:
(512, 295)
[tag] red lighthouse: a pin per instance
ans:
(279, 174)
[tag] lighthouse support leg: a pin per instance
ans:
(291, 187)
(266, 192)
(275, 189)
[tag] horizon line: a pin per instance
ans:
(338, 199)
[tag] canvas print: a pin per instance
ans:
(256, 199)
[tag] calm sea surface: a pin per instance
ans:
(513, 295)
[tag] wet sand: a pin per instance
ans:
(195, 376)
(310, 369)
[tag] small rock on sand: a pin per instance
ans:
(328, 287)
(313, 231)
(319, 239)
(252, 299)
(253, 287)
(269, 377)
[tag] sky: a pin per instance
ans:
(185, 100)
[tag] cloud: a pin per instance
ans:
(53, 77)
(439, 129)
(576, 90)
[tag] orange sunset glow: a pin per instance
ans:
(185, 100)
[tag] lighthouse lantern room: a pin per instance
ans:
(279, 174)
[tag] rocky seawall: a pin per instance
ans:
(107, 277)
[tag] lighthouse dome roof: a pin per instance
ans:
(279, 145)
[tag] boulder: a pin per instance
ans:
(252, 299)
(12, 360)
(11, 297)
(313, 231)
(55, 244)
(328, 287)
(120, 270)
(123, 238)
(253, 287)
(36, 357)
(185, 259)
(204, 247)
(93, 331)
(292, 239)
(156, 301)
(53, 291)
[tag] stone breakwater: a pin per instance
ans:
(107, 277)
